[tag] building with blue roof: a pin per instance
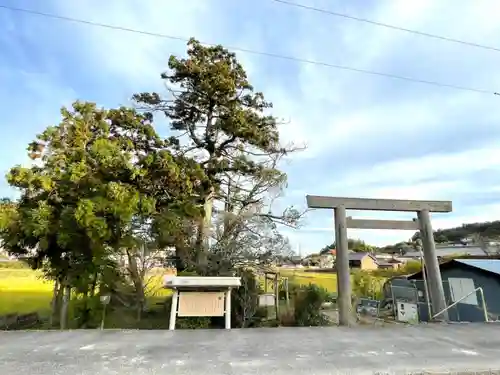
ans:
(489, 265)
(460, 277)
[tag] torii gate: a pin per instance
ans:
(423, 223)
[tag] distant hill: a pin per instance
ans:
(456, 235)
(489, 229)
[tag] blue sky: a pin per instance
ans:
(367, 136)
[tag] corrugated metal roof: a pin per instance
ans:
(451, 250)
(490, 265)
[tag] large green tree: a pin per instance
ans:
(102, 182)
(217, 117)
(353, 244)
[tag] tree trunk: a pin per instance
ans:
(203, 237)
(180, 258)
(140, 306)
(58, 301)
(65, 307)
(138, 281)
(140, 296)
(60, 294)
(85, 313)
(54, 303)
(200, 259)
(93, 285)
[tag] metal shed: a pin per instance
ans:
(460, 277)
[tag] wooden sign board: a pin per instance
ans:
(201, 304)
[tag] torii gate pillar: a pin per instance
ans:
(423, 208)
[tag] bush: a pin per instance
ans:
(387, 273)
(307, 306)
(187, 273)
(412, 266)
(87, 312)
(331, 297)
(292, 291)
(14, 264)
(366, 285)
(245, 301)
(195, 322)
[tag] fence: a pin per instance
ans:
(414, 291)
(19, 321)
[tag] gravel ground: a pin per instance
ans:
(443, 349)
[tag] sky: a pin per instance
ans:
(366, 135)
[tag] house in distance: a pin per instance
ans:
(363, 261)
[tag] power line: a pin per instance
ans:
(249, 51)
(388, 26)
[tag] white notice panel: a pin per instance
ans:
(267, 299)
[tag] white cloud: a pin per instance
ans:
(354, 115)
(364, 46)
(448, 178)
(411, 171)
(329, 109)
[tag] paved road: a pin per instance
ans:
(290, 351)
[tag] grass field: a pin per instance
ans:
(324, 280)
(371, 285)
(23, 291)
